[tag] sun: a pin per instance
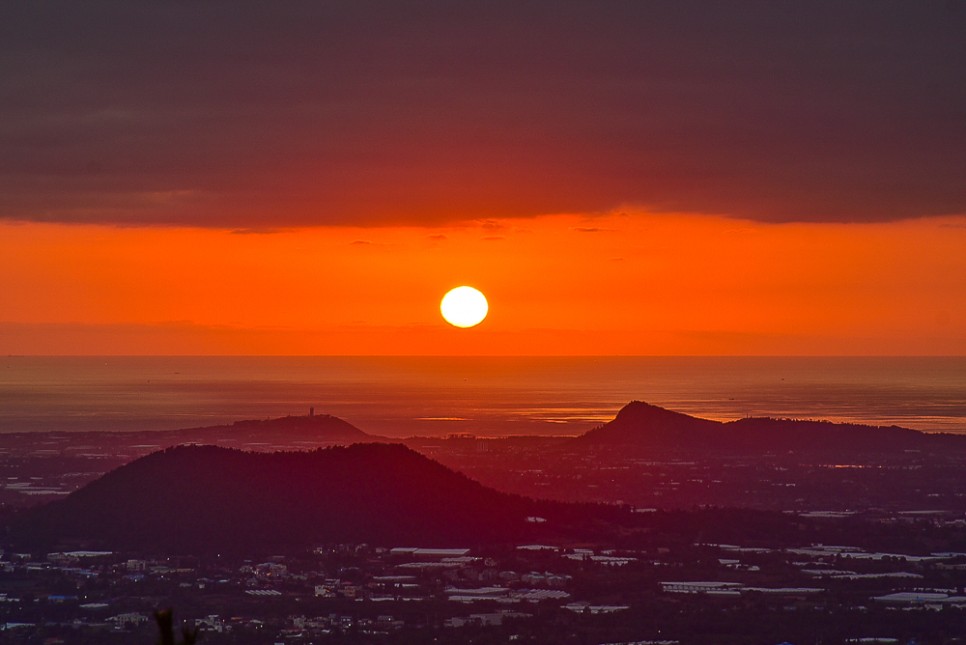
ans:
(464, 307)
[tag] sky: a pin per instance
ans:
(641, 178)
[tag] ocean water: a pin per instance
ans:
(404, 396)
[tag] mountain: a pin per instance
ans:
(639, 423)
(194, 499)
(320, 428)
(285, 433)
(642, 426)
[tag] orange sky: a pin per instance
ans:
(357, 144)
(648, 284)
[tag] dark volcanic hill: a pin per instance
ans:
(321, 428)
(643, 427)
(195, 499)
(284, 433)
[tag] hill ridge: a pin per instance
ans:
(203, 498)
(646, 426)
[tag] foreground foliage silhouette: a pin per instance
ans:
(165, 620)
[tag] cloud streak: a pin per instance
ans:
(264, 115)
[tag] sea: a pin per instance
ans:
(485, 396)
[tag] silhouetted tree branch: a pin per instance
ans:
(165, 619)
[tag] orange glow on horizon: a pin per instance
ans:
(559, 285)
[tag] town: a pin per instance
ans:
(537, 593)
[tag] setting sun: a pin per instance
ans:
(247, 252)
(464, 307)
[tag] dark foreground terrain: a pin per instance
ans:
(769, 537)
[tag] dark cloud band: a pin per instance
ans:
(259, 115)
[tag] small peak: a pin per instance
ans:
(638, 409)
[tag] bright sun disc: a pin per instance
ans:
(464, 307)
